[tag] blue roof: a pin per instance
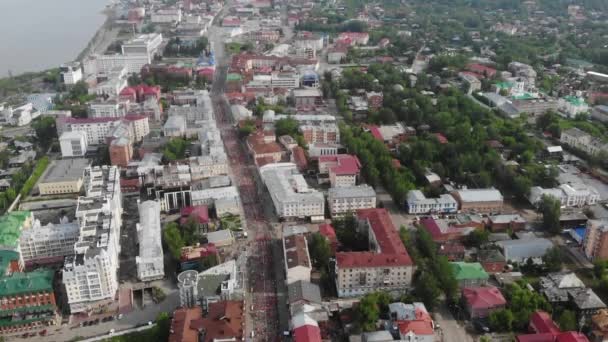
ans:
(580, 231)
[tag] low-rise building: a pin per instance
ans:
(48, 244)
(71, 73)
(542, 328)
(565, 288)
(417, 203)
(583, 141)
(506, 222)
(521, 250)
(387, 267)
(571, 106)
(150, 262)
(297, 259)
(469, 274)
(479, 200)
(221, 238)
(345, 200)
(480, 302)
(343, 169)
(63, 177)
(569, 195)
(324, 133)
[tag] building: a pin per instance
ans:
(110, 108)
(353, 38)
(417, 203)
(262, 146)
(73, 144)
(413, 322)
(27, 301)
(49, 244)
(223, 321)
(386, 267)
(324, 133)
(469, 274)
(20, 115)
(566, 288)
(310, 97)
(175, 126)
(543, 328)
(506, 222)
(571, 106)
(479, 200)
(150, 262)
(599, 326)
(208, 166)
(343, 169)
(569, 195)
(71, 73)
(349, 199)
(600, 113)
(479, 302)
(187, 282)
(121, 151)
(595, 243)
(166, 16)
(96, 129)
(90, 274)
(63, 177)
(291, 196)
(143, 45)
(221, 238)
(169, 184)
(583, 141)
(11, 226)
(297, 259)
(521, 250)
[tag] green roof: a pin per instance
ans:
(233, 77)
(10, 227)
(576, 101)
(6, 256)
(468, 270)
(525, 96)
(27, 282)
(504, 85)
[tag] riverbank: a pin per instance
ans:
(102, 39)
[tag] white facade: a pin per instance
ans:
(350, 199)
(572, 106)
(107, 109)
(583, 141)
(96, 131)
(417, 203)
(167, 16)
(21, 115)
(71, 73)
(175, 126)
(290, 194)
(208, 166)
(73, 144)
(44, 243)
(103, 64)
(569, 195)
(90, 274)
(111, 88)
(150, 262)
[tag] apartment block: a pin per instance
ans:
(345, 200)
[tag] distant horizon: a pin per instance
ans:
(35, 42)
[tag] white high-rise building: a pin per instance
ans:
(50, 243)
(143, 45)
(73, 144)
(71, 73)
(187, 282)
(150, 264)
(90, 274)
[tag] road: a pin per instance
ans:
(261, 294)
(450, 330)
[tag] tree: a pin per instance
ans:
(477, 238)
(368, 313)
(319, 249)
(567, 321)
(45, 129)
(387, 116)
(176, 149)
(502, 320)
(174, 240)
(426, 289)
(349, 234)
(553, 260)
(550, 207)
(287, 126)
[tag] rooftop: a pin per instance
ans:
(65, 170)
(356, 191)
(10, 227)
(483, 297)
(468, 270)
(479, 195)
(28, 282)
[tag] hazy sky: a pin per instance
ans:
(40, 34)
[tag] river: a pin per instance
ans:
(41, 34)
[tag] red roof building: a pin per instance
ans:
(441, 230)
(307, 333)
(299, 158)
(327, 230)
(224, 320)
(181, 325)
(480, 69)
(544, 329)
(418, 328)
(343, 169)
(481, 301)
(261, 146)
(200, 213)
(388, 265)
(353, 38)
(140, 93)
